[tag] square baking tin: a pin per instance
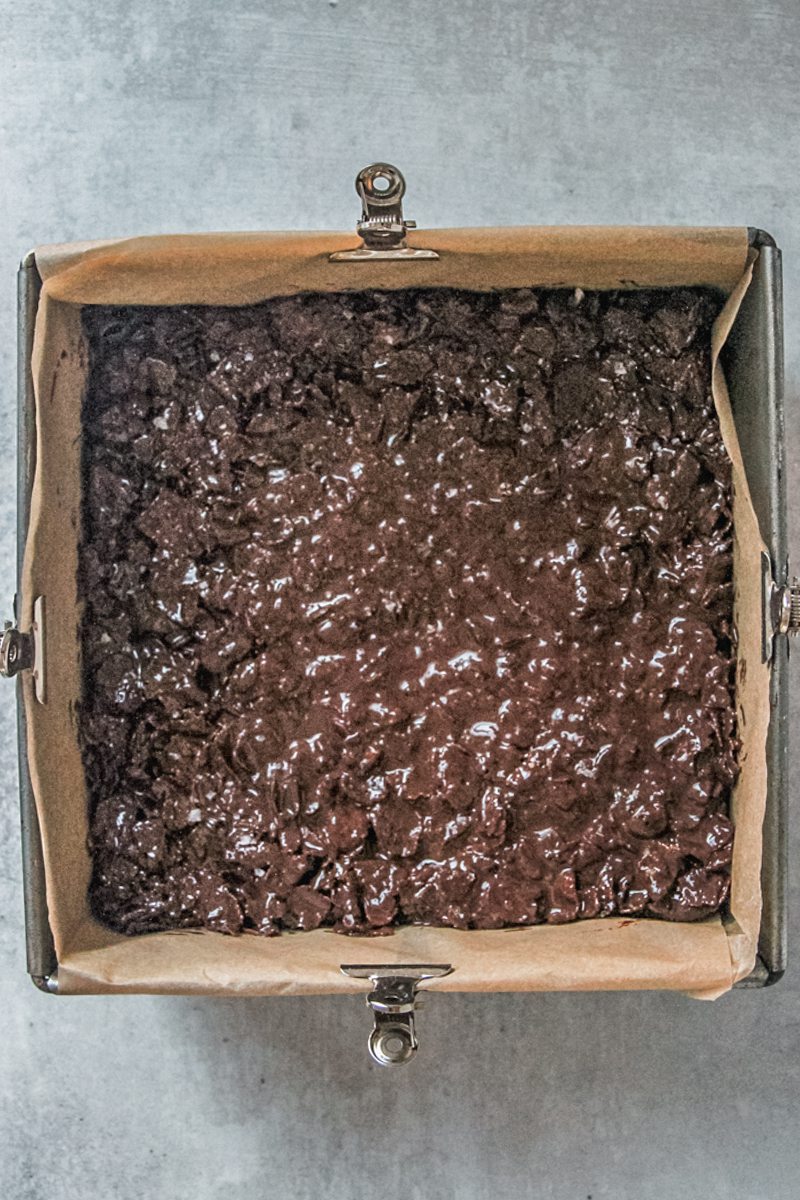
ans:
(753, 365)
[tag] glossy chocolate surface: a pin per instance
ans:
(406, 607)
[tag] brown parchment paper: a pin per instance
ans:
(704, 959)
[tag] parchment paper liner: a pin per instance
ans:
(705, 959)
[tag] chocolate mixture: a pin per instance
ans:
(406, 607)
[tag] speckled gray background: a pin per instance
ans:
(123, 117)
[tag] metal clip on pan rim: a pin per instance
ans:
(382, 227)
(393, 1000)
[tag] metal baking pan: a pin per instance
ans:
(753, 364)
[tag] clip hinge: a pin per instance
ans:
(786, 602)
(781, 607)
(382, 227)
(393, 1001)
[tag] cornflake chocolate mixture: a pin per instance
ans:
(406, 607)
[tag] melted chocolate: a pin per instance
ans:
(406, 607)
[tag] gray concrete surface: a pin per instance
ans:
(121, 118)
